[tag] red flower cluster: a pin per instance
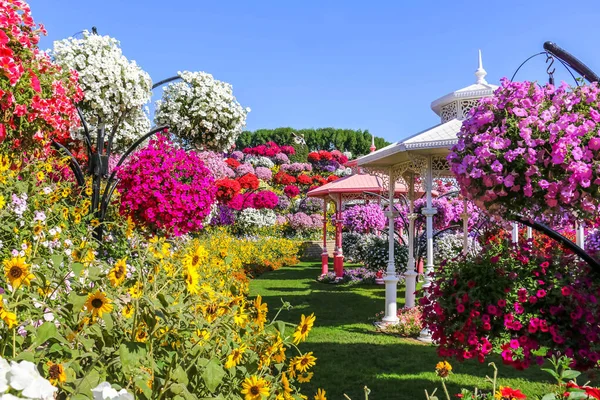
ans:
(249, 182)
(226, 189)
(269, 149)
(233, 163)
(324, 155)
(291, 191)
(304, 179)
(516, 301)
(508, 393)
(281, 178)
(37, 98)
(332, 178)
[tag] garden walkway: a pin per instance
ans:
(351, 354)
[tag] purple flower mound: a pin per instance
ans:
(166, 188)
(284, 202)
(244, 169)
(224, 216)
(300, 221)
(281, 158)
(364, 218)
(264, 173)
(265, 199)
(237, 155)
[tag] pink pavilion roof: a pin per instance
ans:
(357, 183)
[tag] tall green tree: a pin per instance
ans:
(358, 142)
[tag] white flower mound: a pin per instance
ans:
(251, 218)
(25, 378)
(202, 111)
(115, 88)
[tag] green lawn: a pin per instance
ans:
(351, 354)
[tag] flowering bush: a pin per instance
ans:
(166, 188)
(303, 222)
(223, 217)
(251, 219)
(270, 149)
(291, 191)
(202, 111)
(296, 168)
(115, 88)
(531, 150)
(248, 181)
(37, 96)
(366, 218)
(409, 322)
(227, 189)
(353, 276)
(264, 173)
(355, 246)
(449, 245)
(265, 199)
(376, 254)
(522, 302)
(216, 164)
(244, 169)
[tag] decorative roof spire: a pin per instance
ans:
(480, 73)
(373, 148)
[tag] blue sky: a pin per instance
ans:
(373, 65)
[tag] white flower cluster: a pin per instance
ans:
(115, 88)
(450, 245)
(202, 111)
(104, 391)
(24, 378)
(341, 172)
(260, 161)
(251, 218)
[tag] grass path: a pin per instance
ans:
(351, 354)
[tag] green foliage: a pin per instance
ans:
(357, 142)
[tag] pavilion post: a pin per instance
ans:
(580, 234)
(411, 274)
(529, 233)
(429, 212)
(515, 233)
(465, 218)
(391, 280)
(324, 254)
(338, 261)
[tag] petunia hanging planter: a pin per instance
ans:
(533, 151)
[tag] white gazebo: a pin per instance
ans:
(418, 160)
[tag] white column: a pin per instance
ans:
(515, 233)
(411, 273)
(465, 218)
(580, 234)
(391, 280)
(529, 233)
(429, 212)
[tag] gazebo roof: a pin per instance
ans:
(353, 184)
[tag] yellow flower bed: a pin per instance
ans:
(161, 318)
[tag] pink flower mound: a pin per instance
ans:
(364, 218)
(532, 150)
(265, 199)
(264, 173)
(166, 188)
(216, 164)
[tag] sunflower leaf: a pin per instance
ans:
(46, 331)
(213, 374)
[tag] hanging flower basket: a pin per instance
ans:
(532, 150)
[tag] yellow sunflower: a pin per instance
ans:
(240, 318)
(195, 257)
(56, 373)
(141, 334)
(255, 388)
(97, 303)
(2, 202)
(118, 273)
(304, 362)
(443, 369)
(306, 324)
(285, 383)
(9, 318)
(320, 395)
(261, 311)
(192, 278)
(235, 357)
(128, 310)
(136, 290)
(305, 377)
(17, 272)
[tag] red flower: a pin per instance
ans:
(291, 191)
(233, 163)
(249, 181)
(314, 157)
(227, 189)
(325, 155)
(511, 394)
(333, 178)
(282, 178)
(304, 179)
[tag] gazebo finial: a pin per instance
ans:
(373, 148)
(480, 73)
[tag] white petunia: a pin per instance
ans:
(104, 391)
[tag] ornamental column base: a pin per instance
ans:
(391, 295)
(338, 265)
(425, 336)
(410, 278)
